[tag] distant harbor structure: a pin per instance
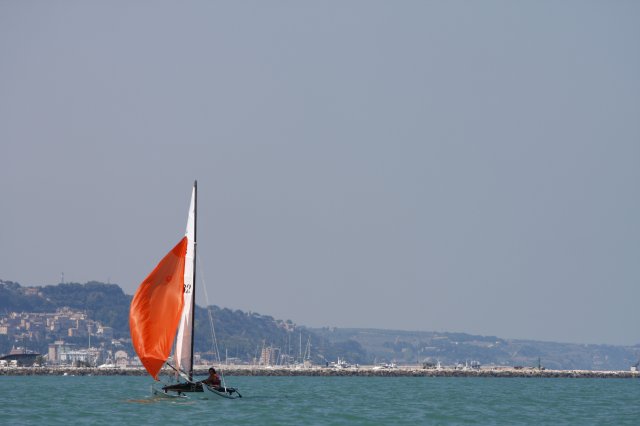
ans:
(20, 356)
(120, 369)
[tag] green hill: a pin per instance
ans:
(239, 334)
(106, 303)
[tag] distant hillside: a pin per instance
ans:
(239, 334)
(453, 348)
(242, 335)
(106, 303)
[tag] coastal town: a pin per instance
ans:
(85, 326)
(82, 346)
(72, 340)
(70, 333)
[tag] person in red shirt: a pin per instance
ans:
(213, 379)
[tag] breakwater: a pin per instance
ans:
(363, 371)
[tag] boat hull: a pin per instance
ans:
(211, 393)
(183, 388)
(186, 390)
(155, 392)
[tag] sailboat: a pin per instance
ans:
(163, 311)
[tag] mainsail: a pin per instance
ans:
(184, 342)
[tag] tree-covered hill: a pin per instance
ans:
(239, 334)
(106, 303)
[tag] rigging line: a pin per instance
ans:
(210, 314)
(180, 372)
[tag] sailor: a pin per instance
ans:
(213, 379)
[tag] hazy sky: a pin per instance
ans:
(448, 166)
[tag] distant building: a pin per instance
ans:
(20, 356)
(31, 291)
(122, 358)
(77, 356)
(268, 356)
(105, 332)
(56, 351)
(68, 354)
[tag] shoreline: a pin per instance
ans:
(362, 371)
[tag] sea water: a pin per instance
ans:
(44, 400)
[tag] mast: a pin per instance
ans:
(193, 293)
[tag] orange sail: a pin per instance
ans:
(156, 309)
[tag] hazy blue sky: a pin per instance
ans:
(448, 166)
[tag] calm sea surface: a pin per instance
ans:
(44, 400)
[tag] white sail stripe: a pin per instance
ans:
(183, 341)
